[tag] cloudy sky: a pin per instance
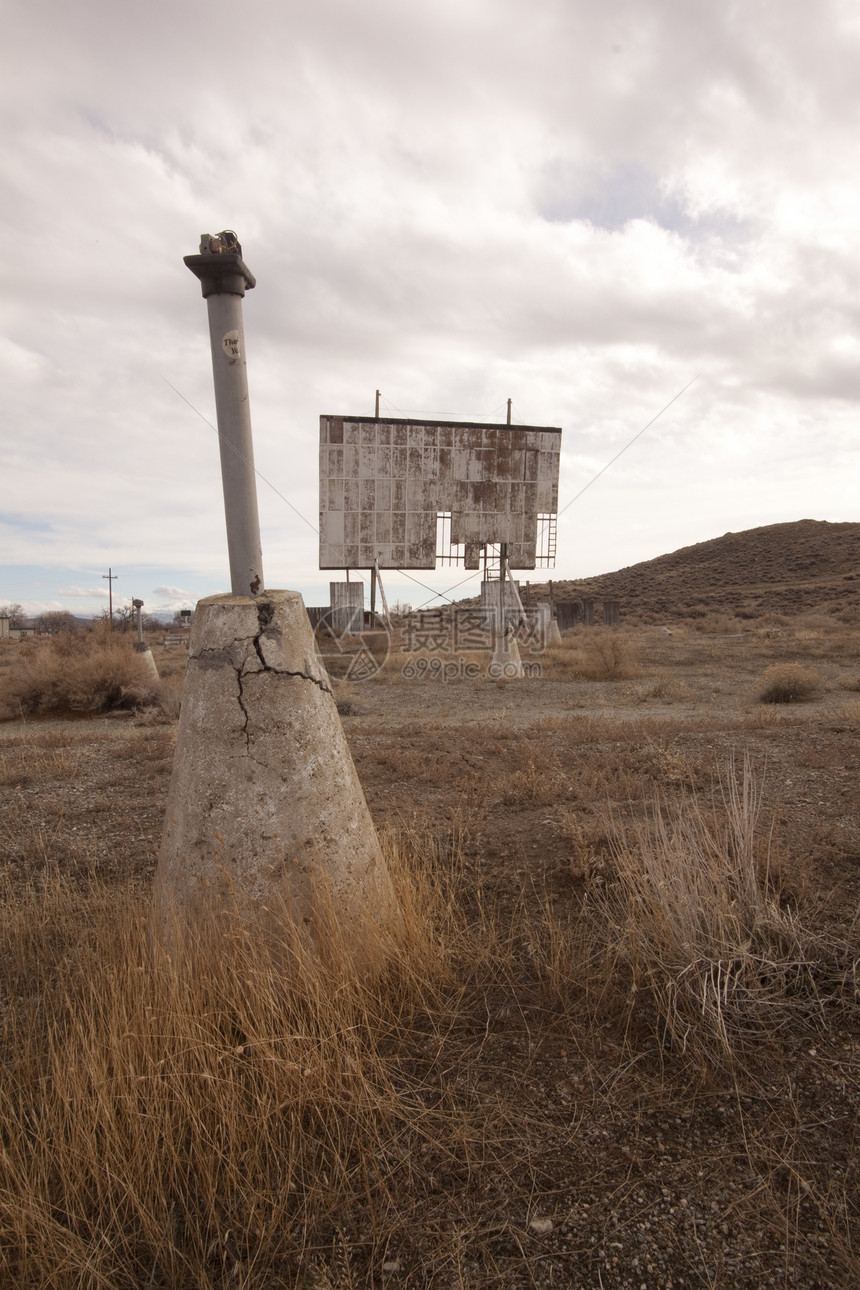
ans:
(581, 205)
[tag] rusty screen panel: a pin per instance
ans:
(384, 482)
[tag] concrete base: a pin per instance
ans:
(146, 655)
(266, 819)
(553, 635)
(506, 664)
(491, 604)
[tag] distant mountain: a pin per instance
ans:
(809, 566)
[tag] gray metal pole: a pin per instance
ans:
(503, 566)
(138, 605)
(225, 277)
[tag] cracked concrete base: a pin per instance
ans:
(149, 662)
(266, 819)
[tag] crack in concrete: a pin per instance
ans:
(217, 651)
(265, 614)
(245, 711)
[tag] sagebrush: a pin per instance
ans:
(78, 672)
(789, 683)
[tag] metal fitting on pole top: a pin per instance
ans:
(220, 266)
(225, 277)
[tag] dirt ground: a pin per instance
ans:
(636, 1172)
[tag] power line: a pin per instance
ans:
(638, 435)
(429, 412)
(437, 594)
(275, 490)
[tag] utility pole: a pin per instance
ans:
(110, 577)
(509, 411)
(224, 278)
(376, 410)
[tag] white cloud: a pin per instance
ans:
(85, 593)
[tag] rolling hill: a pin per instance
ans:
(808, 566)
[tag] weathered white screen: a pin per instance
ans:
(383, 483)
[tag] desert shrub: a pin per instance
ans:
(591, 654)
(608, 656)
(665, 690)
(77, 672)
(719, 625)
(170, 695)
(788, 683)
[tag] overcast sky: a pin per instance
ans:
(580, 206)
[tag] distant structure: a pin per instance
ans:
(401, 494)
(16, 632)
(406, 494)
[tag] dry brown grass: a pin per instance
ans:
(170, 695)
(789, 683)
(688, 937)
(694, 931)
(721, 625)
(212, 1121)
(77, 672)
(609, 656)
(586, 972)
(592, 654)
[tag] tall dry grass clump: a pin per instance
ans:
(683, 942)
(213, 1120)
(78, 672)
(692, 938)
